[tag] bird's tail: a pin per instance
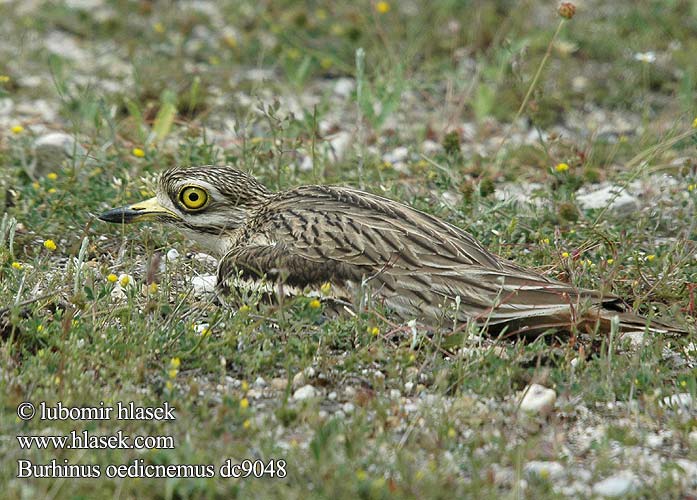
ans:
(596, 319)
(627, 322)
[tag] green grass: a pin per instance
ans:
(412, 416)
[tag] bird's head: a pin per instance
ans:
(204, 202)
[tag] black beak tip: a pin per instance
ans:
(115, 215)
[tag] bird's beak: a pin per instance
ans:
(146, 210)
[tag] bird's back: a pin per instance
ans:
(416, 262)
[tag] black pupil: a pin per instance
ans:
(193, 197)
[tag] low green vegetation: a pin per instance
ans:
(443, 105)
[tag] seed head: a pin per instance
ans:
(567, 10)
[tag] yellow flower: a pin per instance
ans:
(230, 40)
(683, 383)
(610, 261)
(691, 187)
(650, 258)
(361, 474)
(17, 129)
(326, 62)
(244, 386)
(175, 362)
(152, 287)
(40, 328)
(112, 278)
(57, 380)
(452, 433)
(694, 123)
(326, 288)
(378, 483)
(17, 265)
(158, 27)
(375, 331)
(50, 245)
(35, 185)
(244, 403)
(315, 304)
(138, 152)
(244, 309)
(125, 280)
(51, 190)
(4, 78)
(562, 167)
(565, 255)
(173, 373)
(247, 424)
(52, 176)
(412, 358)
(545, 241)
(382, 7)
(169, 385)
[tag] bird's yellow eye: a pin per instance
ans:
(193, 198)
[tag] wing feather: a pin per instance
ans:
(419, 263)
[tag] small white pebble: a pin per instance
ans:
(395, 393)
(206, 259)
(692, 438)
(172, 255)
(260, 382)
(410, 407)
(201, 327)
(117, 293)
(332, 395)
(348, 407)
(538, 399)
(681, 401)
(305, 392)
(254, 394)
(654, 440)
(619, 485)
(396, 155)
(204, 285)
(408, 387)
(344, 86)
(299, 379)
(544, 469)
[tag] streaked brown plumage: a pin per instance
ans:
(416, 263)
